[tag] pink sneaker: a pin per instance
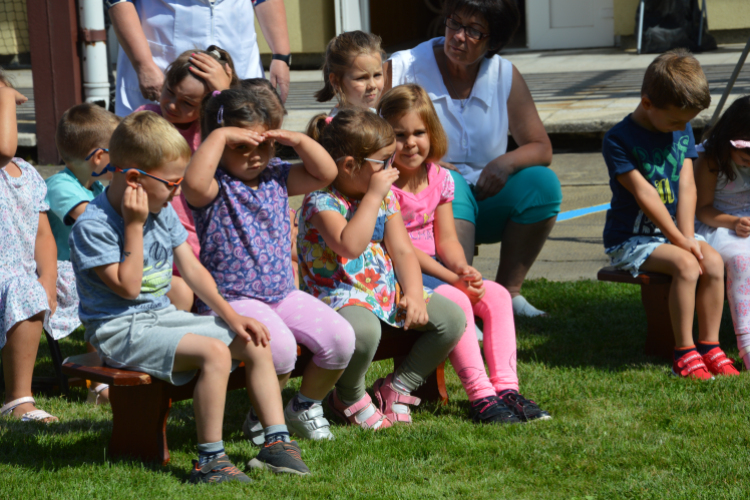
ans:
(386, 395)
(353, 414)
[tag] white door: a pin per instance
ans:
(569, 24)
(352, 15)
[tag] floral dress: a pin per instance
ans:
(21, 294)
(367, 281)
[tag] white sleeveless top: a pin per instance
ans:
(174, 26)
(478, 132)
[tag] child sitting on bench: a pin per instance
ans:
(122, 249)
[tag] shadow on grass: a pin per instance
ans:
(592, 324)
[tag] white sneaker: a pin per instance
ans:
(521, 307)
(253, 430)
(310, 423)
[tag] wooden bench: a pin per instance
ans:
(141, 403)
(655, 298)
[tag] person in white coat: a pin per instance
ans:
(152, 33)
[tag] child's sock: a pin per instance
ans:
(401, 386)
(277, 433)
(209, 451)
(705, 347)
(681, 351)
(300, 403)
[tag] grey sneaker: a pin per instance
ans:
(280, 457)
(253, 430)
(218, 470)
(308, 423)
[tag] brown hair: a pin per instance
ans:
(339, 54)
(147, 140)
(179, 69)
(675, 78)
(239, 107)
(411, 97)
(502, 16)
(352, 132)
(268, 97)
(733, 125)
(83, 128)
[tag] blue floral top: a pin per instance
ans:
(367, 281)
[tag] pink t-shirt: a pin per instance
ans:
(418, 210)
(193, 137)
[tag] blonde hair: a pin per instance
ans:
(352, 132)
(340, 52)
(675, 78)
(147, 140)
(411, 97)
(83, 128)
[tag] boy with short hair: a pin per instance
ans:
(82, 139)
(122, 248)
(650, 225)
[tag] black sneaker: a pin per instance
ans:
(491, 410)
(280, 457)
(218, 470)
(525, 409)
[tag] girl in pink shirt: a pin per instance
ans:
(425, 192)
(187, 81)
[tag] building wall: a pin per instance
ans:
(14, 29)
(311, 23)
(722, 15)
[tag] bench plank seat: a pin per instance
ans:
(141, 403)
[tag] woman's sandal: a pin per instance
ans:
(387, 396)
(96, 393)
(29, 416)
(352, 414)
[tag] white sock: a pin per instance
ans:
(521, 307)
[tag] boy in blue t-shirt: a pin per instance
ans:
(650, 225)
(122, 249)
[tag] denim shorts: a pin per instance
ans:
(633, 252)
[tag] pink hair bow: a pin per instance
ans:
(740, 144)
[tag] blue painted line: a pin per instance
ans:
(580, 212)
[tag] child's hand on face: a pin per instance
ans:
(235, 136)
(416, 311)
(218, 76)
(381, 182)
(285, 137)
(135, 205)
(742, 227)
(250, 330)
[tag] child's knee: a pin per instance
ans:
(496, 292)
(342, 348)
(216, 353)
(713, 263)
(284, 352)
(451, 317)
(687, 267)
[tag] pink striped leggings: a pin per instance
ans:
(496, 311)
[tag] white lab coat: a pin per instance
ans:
(174, 26)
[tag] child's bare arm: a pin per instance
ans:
(317, 169)
(9, 98)
(350, 239)
(687, 200)
(125, 277)
(202, 283)
(705, 181)
(78, 210)
(408, 272)
(45, 255)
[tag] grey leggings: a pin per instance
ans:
(442, 332)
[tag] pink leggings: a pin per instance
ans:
(301, 318)
(496, 311)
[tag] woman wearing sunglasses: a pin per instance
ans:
(480, 97)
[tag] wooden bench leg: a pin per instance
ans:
(433, 388)
(139, 422)
(660, 337)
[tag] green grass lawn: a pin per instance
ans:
(621, 428)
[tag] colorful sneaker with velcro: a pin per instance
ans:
(491, 410)
(691, 365)
(718, 363)
(525, 409)
(387, 396)
(280, 458)
(218, 470)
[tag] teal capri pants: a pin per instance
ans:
(530, 195)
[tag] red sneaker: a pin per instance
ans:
(718, 363)
(691, 365)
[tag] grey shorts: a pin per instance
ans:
(147, 341)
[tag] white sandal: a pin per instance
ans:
(29, 416)
(94, 394)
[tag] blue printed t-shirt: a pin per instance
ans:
(64, 193)
(658, 156)
(245, 237)
(97, 239)
(368, 281)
